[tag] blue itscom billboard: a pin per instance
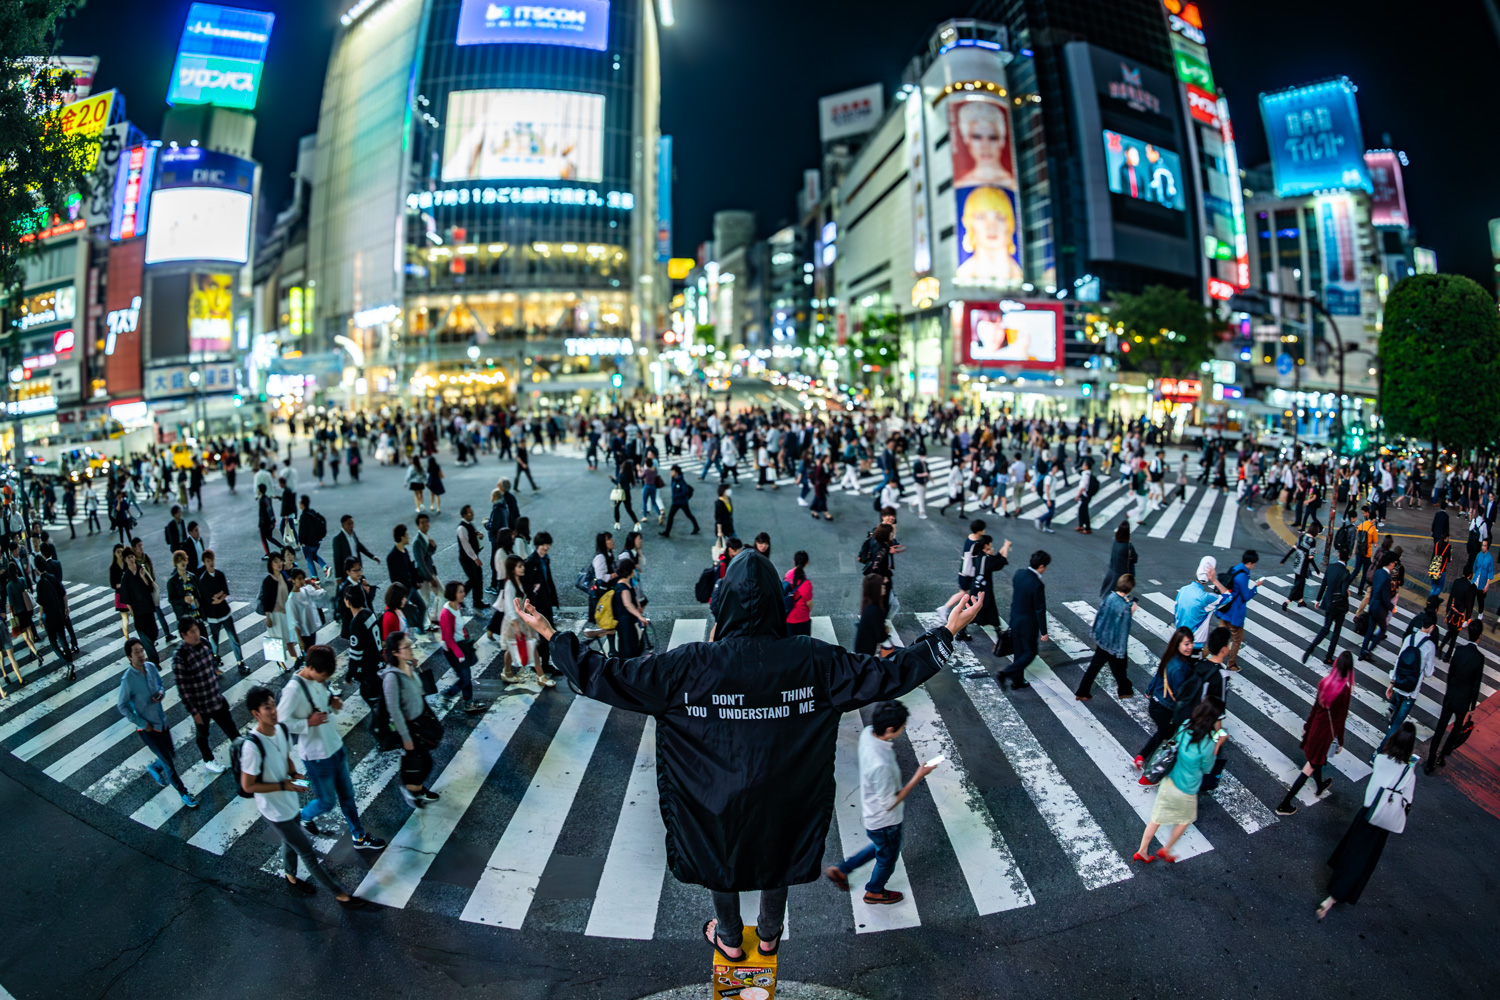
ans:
(582, 24)
(220, 56)
(1314, 138)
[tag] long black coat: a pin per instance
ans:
(1464, 675)
(746, 729)
(1121, 561)
(1028, 611)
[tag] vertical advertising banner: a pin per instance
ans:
(1340, 259)
(987, 201)
(211, 313)
(916, 172)
(1314, 138)
(1388, 202)
(1236, 198)
(663, 199)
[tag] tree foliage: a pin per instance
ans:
(1175, 331)
(40, 167)
(878, 340)
(1440, 361)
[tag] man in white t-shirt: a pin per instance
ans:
(307, 708)
(267, 772)
(881, 797)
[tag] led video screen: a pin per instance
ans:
(555, 135)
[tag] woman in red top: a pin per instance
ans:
(394, 618)
(1325, 723)
(799, 618)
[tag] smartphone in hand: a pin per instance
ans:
(934, 762)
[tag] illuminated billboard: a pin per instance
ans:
(1314, 138)
(211, 312)
(986, 196)
(852, 112)
(582, 24)
(1388, 200)
(198, 223)
(524, 134)
(1012, 334)
(1143, 171)
(132, 194)
(194, 166)
(1340, 256)
(220, 56)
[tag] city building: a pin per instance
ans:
(484, 210)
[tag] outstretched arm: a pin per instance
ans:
(855, 680)
(646, 684)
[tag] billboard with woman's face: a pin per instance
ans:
(987, 202)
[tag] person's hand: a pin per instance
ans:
(963, 613)
(1388, 692)
(534, 619)
(1045, 637)
(317, 718)
(197, 718)
(925, 770)
(336, 703)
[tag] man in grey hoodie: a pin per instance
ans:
(140, 702)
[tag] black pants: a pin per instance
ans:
(200, 730)
(1447, 715)
(1449, 642)
(524, 470)
(1162, 716)
(1333, 621)
(416, 764)
(629, 509)
(731, 931)
(1116, 667)
(672, 513)
(160, 743)
(1083, 514)
(474, 580)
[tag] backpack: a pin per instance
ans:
(1343, 539)
(867, 550)
(1093, 485)
(788, 595)
(381, 729)
(604, 611)
(237, 752)
(1408, 672)
(703, 590)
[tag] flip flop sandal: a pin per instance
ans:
(713, 939)
(760, 948)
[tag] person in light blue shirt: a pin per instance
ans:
(140, 702)
(1197, 601)
(1484, 572)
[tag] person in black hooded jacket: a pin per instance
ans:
(746, 728)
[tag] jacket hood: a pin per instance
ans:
(752, 604)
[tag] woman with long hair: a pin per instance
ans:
(1122, 558)
(116, 582)
(1323, 730)
(435, 486)
(411, 717)
(630, 618)
(619, 493)
(416, 481)
(515, 636)
(1176, 803)
(1161, 703)
(871, 632)
(1354, 860)
(799, 616)
(458, 648)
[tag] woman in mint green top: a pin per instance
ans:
(1198, 744)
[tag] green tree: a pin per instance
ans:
(1168, 332)
(878, 341)
(708, 335)
(40, 167)
(1440, 362)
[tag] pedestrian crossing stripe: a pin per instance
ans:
(989, 848)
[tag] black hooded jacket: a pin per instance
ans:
(746, 729)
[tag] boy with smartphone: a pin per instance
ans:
(881, 802)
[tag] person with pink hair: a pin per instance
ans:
(1324, 730)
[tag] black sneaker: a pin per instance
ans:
(311, 828)
(368, 843)
(1287, 809)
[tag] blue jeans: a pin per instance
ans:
(1045, 521)
(310, 553)
(1400, 708)
(648, 500)
(331, 786)
(226, 625)
(884, 847)
(465, 682)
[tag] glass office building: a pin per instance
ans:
(484, 199)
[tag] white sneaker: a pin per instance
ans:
(215, 767)
(802, 503)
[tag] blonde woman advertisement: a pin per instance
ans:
(988, 250)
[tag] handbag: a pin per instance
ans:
(617, 495)
(1388, 811)
(1162, 761)
(1461, 734)
(1361, 623)
(1005, 643)
(426, 729)
(1333, 741)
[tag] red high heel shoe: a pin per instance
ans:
(1144, 859)
(1169, 858)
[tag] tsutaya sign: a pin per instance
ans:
(599, 346)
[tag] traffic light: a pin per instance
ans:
(239, 400)
(617, 380)
(1087, 389)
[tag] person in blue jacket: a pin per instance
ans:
(1198, 600)
(1242, 590)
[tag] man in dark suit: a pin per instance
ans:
(1382, 603)
(346, 544)
(177, 531)
(1028, 619)
(541, 591)
(1462, 696)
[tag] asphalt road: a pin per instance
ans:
(1017, 862)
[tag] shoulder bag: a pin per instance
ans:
(1388, 811)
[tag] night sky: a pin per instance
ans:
(741, 81)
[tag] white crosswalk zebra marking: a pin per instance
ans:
(1224, 537)
(503, 896)
(1084, 842)
(1199, 520)
(1238, 801)
(1169, 517)
(1071, 514)
(396, 875)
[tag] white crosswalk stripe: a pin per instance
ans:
(1072, 802)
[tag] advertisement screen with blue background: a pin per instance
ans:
(1314, 138)
(582, 24)
(1143, 171)
(220, 56)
